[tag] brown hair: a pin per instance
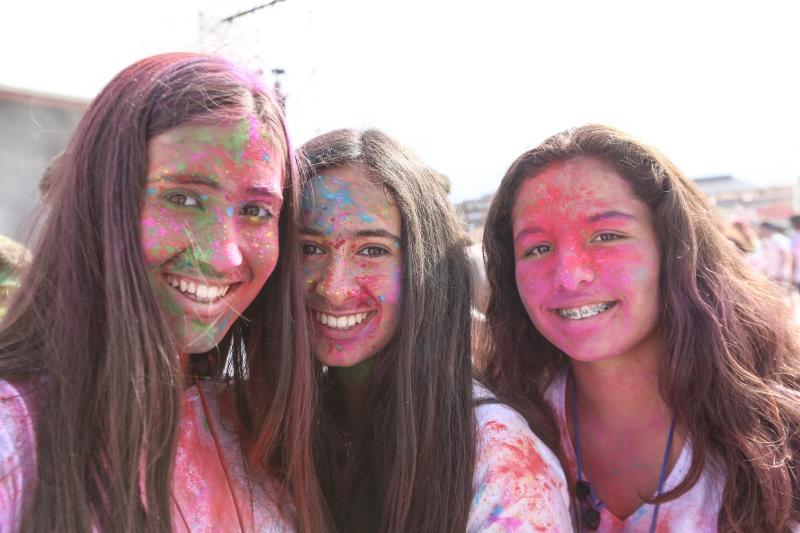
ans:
(731, 373)
(420, 421)
(87, 323)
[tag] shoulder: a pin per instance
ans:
(518, 482)
(17, 451)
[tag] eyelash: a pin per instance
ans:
(310, 249)
(176, 197)
(615, 236)
(541, 249)
(266, 216)
(381, 250)
(536, 251)
(313, 249)
(181, 198)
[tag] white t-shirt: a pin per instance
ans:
(696, 510)
(796, 256)
(518, 484)
(201, 494)
(777, 247)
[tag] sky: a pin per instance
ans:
(468, 85)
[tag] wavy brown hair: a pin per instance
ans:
(86, 329)
(420, 427)
(731, 372)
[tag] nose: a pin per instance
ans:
(573, 269)
(336, 283)
(224, 252)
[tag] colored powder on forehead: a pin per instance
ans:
(151, 191)
(181, 167)
(341, 197)
(366, 218)
(234, 143)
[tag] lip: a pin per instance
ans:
(343, 335)
(204, 310)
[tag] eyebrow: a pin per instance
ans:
(599, 217)
(361, 233)
(208, 181)
(188, 179)
(605, 215)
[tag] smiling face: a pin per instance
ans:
(209, 225)
(352, 264)
(587, 260)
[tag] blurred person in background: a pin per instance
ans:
(776, 250)
(14, 258)
(795, 246)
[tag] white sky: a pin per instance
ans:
(468, 85)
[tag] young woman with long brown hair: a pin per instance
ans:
(401, 445)
(147, 286)
(673, 370)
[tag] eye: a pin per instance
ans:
(373, 251)
(184, 199)
(256, 211)
(538, 250)
(606, 237)
(310, 249)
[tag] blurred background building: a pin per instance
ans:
(34, 128)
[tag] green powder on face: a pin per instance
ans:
(235, 142)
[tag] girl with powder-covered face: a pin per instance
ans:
(616, 302)
(140, 358)
(402, 444)
(352, 265)
(210, 225)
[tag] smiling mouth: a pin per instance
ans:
(340, 322)
(585, 311)
(199, 292)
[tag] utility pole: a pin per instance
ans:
(221, 27)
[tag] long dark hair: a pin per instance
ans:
(86, 327)
(420, 421)
(731, 373)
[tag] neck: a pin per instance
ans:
(186, 370)
(622, 393)
(352, 386)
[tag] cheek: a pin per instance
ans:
(531, 284)
(627, 269)
(162, 234)
(263, 246)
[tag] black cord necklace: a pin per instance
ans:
(589, 505)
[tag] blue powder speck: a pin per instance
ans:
(151, 191)
(382, 298)
(229, 211)
(265, 157)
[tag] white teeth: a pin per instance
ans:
(586, 311)
(341, 322)
(205, 293)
